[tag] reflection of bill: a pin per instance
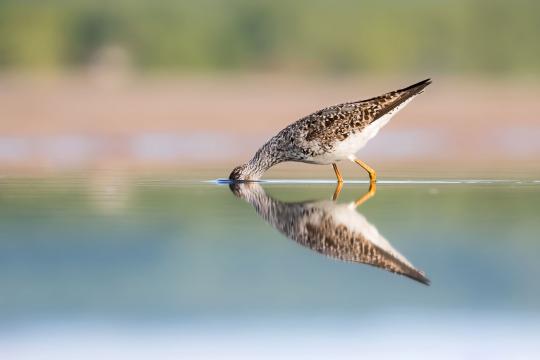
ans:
(335, 230)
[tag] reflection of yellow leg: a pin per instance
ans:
(371, 192)
(338, 190)
(369, 169)
(338, 174)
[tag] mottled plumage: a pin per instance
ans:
(335, 230)
(329, 135)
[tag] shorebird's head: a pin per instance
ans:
(244, 172)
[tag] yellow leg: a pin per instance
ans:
(338, 174)
(371, 192)
(337, 191)
(369, 169)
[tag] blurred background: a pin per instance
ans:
(182, 85)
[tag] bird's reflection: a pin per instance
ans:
(330, 228)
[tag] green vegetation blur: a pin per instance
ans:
(387, 36)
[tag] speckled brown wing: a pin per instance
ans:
(335, 122)
(339, 121)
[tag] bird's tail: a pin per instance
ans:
(390, 101)
(414, 89)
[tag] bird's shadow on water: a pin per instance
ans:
(334, 229)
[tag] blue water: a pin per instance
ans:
(120, 266)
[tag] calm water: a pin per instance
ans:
(114, 266)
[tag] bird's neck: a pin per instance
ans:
(263, 160)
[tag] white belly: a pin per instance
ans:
(347, 148)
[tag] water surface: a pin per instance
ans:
(108, 263)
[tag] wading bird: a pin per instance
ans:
(329, 135)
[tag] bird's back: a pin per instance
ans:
(320, 132)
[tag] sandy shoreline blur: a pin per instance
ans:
(122, 121)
